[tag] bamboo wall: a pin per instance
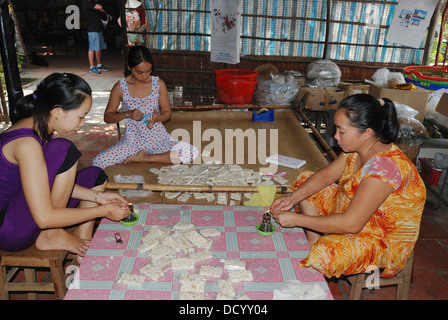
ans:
(195, 73)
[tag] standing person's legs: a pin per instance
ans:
(98, 57)
(94, 48)
(102, 46)
(91, 56)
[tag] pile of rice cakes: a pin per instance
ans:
(182, 247)
(212, 174)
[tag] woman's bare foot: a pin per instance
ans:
(83, 231)
(139, 157)
(166, 157)
(59, 239)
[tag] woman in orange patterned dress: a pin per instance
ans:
(364, 209)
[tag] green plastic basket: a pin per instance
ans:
(431, 78)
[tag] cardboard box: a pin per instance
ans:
(417, 99)
(442, 106)
(321, 98)
(354, 88)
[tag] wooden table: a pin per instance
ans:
(292, 140)
(272, 260)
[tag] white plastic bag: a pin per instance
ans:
(384, 78)
(433, 101)
(323, 73)
(281, 89)
(297, 290)
(132, 179)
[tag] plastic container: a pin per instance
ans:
(131, 219)
(265, 234)
(129, 222)
(178, 96)
(264, 115)
(234, 86)
(431, 78)
(429, 172)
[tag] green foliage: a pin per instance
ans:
(443, 47)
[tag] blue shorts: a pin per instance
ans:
(96, 41)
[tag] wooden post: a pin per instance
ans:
(327, 30)
(124, 37)
(22, 43)
(4, 104)
(430, 35)
(9, 59)
(442, 29)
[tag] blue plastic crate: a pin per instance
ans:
(267, 115)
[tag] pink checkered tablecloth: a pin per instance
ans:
(273, 260)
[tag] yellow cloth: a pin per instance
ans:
(264, 197)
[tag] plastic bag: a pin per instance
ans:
(384, 78)
(433, 101)
(412, 132)
(404, 111)
(281, 89)
(323, 73)
(132, 179)
(297, 290)
(441, 160)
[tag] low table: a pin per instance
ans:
(273, 260)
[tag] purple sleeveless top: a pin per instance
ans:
(9, 173)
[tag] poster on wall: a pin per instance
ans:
(225, 31)
(410, 21)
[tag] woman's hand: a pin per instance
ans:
(282, 204)
(109, 197)
(287, 219)
(150, 123)
(116, 211)
(135, 114)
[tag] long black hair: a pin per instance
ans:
(65, 90)
(365, 111)
(139, 54)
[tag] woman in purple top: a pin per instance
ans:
(41, 191)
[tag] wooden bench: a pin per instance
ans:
(402, 280)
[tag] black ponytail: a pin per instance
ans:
(392, 128)
(25, 106)
(365, 111)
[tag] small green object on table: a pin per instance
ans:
(263, 233)
(132, 218)
(130, 222)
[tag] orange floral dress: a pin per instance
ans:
(389, 236)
